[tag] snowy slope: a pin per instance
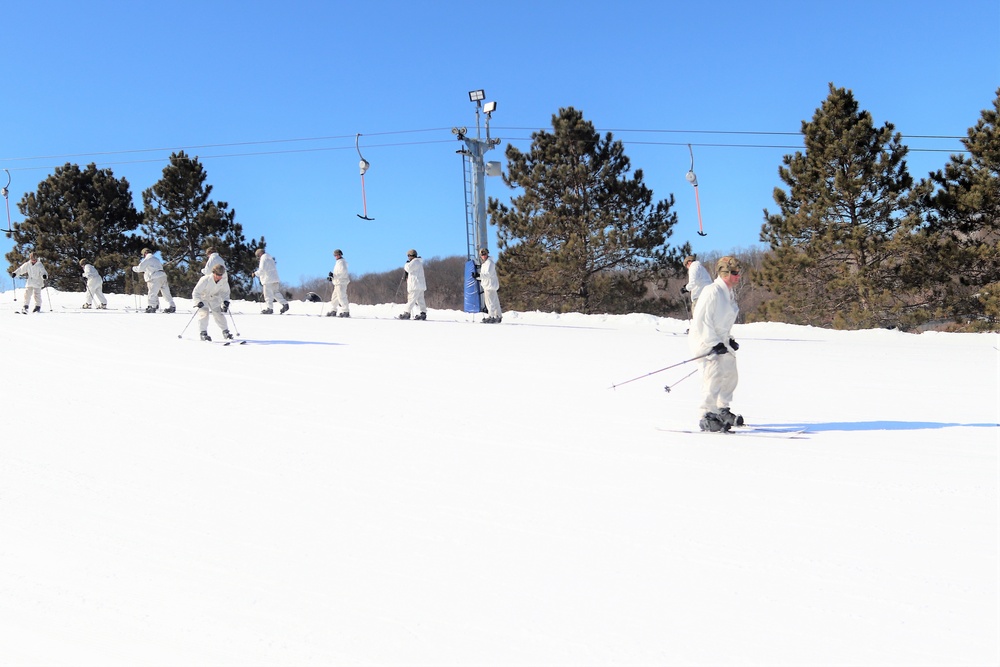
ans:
(377, 492)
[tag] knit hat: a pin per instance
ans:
(218, 269)
(83, 262)
(146, 251)
(728, 265)
(411, 253)
(689, 259)
(338, 253)
(260, 251)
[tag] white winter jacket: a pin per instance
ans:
(34, 274)
(488, 275)
(213, 261)
(92, 277)
(713, 319)
(698, 279)
(415, 274)
(211, 293)
(340, 275)
(267, 270)
(150, 267)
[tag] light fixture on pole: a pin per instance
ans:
(477, 95)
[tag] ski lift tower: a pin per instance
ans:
(475, 170)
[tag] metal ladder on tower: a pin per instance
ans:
(470, 217)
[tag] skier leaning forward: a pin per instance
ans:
(713, 319)
(211, 297)
(156, 282)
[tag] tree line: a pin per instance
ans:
(855, 240)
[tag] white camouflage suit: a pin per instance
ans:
(34, 275)
(267, 274)
(698, 280)
(95, 285)
(341, 279)
(156, 280)
(490, 284)
(714, 316)
(415, 285)
(212, 293)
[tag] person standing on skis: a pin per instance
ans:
(270, 284)
(34, 274)
(95, 286)
(156, 282)
(211, 297)
(340, 279)
(711, 326)
(491, 285)
(415, 286)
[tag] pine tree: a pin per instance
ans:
(79, 214)
(182, 222)
(584, 235)
(834, 259)
(961, 238)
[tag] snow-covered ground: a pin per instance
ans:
(380, 492)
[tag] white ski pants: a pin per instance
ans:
(719, 378)
(415, 298)
(492, 303)
(158, 286)
(272, 293)
(339, 298)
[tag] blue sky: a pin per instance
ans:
(271, 95)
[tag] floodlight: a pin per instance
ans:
(490, 107)
(476, 95)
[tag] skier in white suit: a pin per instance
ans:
(95, 286)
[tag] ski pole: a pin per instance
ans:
(680, 363)
(671, 386)
(181, 334)
(235, 328)
(48, 295)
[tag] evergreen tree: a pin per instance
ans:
(79, 214)
(961, 238)
(584, 235)
(834, 258)
(182, 222)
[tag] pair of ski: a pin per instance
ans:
(750, 431)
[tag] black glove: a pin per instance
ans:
(733, 344)
(329, 278)
(475, 274)
(720, 348)
(330, 274)
(684, 289)
(200, 304)
(225, 307)
(45, 276)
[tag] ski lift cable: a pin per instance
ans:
(363, 165)
(693, 180)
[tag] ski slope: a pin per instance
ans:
(368, 491)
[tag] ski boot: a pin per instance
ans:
(25, 309)
(332, 313)
(266, 311)
(713, 422)
(421, 316)
(36, 309)
(226, 334)
(171, 309)
(405, 316)
(344, 314)
(284, 309)
(102, 306)
(730, 418)
(488, 320)
(151, 309)
(205, 336)
(86, 306)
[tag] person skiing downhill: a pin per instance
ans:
(95, 286)
(270, 284)
(340, 279)
(415, 286)
(711, 326)
(156, 282)
(34, 274)
(211, 297)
